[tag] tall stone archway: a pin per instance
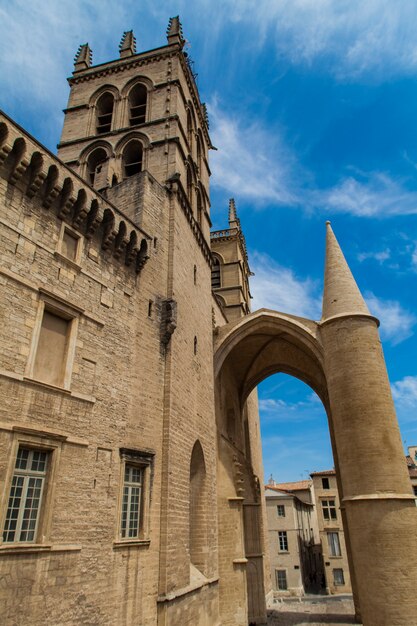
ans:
(341, 358)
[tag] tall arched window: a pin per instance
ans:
(189, 184)
(190, 130)
(137, 105)
(132, 158)
(199, 160)
(199, 209)
(198, 509)
(105, 105)
(95, 163)
(215, 274)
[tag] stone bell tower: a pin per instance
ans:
(140, 112)
(231, 271)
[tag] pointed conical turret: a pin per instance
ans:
(127, 45)
(341, 295)
(83, 58)
(174, 31)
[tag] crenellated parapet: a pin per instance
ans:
(27, 165)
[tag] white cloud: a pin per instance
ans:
(258, 166)
(378, 195)
(404, 391)
(373, 39)
(277, 287)
(396, 323)
(414, 256)
(380, 257)
(275, 409)
(251, 161)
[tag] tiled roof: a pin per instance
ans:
(296, 486)
(331, 472)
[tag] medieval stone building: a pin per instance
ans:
(130, 466)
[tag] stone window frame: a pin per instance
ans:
(333, 542)
(325, 483)
(52, 445)
(327, 508)
(216, 274)
(283, 541)
(145, 461)
(280, 510)
(339, 578)
(146, 82)
(119, 150)
(67, 312)
(277, 581)
(92, 106)
(80, 241)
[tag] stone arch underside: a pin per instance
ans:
(246, 352)
(267, 342)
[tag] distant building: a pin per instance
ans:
(411, 460)
(332, 536)
(293, 539)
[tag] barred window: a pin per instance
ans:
(338, 577)
(132, 502)
(283, 541)
(26, 495)
(281, 579)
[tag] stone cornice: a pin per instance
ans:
(120, 65)
(29, 166)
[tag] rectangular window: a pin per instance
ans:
(415, 489)
(132, 502)
(51, 351)
(69, 247)
(135, 495)
(26, 495)
(329, 509)
(281, 579)
(281, 510)
(338, 578)
(334, 544)
(325, 483)
(283, 541)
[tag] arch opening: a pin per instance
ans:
(105, 105)
(248, 352)
(137, 105)
(95, 163)
(197, 509)
(132, 158)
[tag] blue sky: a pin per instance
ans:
(313, 108)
